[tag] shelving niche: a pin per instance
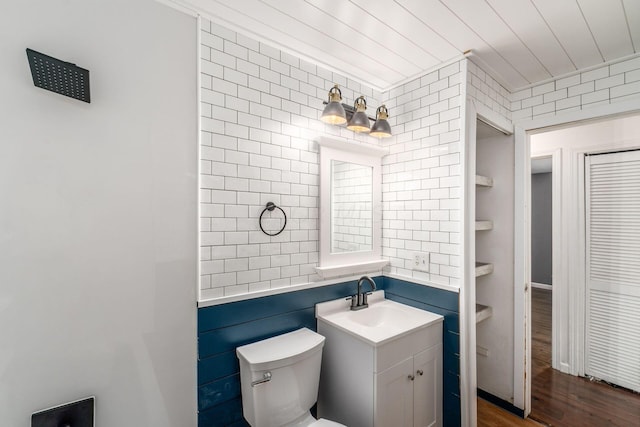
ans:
(484, 225)
(493, 222)
(484, 181)
(483, 268)
(483, 312)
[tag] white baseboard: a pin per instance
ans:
(541, 286)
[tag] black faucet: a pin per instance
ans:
(359, 300)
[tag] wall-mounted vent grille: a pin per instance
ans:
(58, 76)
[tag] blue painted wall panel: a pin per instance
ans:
(451, 362)
(219, 391)
(225, 415)
(224, 327)
(432, 296)
(228, 338)
(220, 316)
(218, 366)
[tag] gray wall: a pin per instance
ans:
(541, 228)
(98, 248)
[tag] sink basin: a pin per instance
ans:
(384, 320)
(378, 315)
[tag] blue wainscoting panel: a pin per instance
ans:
(223, 328)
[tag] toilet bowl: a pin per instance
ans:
(279, 378)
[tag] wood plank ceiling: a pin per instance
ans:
(384, 42)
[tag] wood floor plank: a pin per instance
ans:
(490, 415)
(562, 400)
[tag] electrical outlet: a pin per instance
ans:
(421, 261)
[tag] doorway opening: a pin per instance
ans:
(541, 274)
(559, 346)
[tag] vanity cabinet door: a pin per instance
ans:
(394, 396)
(427, 387)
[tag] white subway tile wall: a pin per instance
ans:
(608, 84)
(486, 90)
(260, 115)
(421, 176)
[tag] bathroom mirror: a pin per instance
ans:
(350, 207)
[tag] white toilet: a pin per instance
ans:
(279, 378)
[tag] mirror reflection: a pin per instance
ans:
(351, 207)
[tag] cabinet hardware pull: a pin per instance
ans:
(411, 377)
(419, 372)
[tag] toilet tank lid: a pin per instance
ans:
(280, 350)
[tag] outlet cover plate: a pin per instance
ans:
(421, 261)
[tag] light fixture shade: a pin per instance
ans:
(334, 113)
(381, 127)
(359, 121)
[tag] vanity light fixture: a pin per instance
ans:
(334, 113)
(381, 127)
(359, 121)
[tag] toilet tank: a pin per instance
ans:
(293, 360)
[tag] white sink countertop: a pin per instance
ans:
(383, 321)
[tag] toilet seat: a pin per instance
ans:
(325, 423)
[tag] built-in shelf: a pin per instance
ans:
(483, 268)
(483, 312)
(484, 181)
(484, 225)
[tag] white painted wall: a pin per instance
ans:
(98, 220)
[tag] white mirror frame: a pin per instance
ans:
(344, 263)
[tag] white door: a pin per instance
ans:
(612, 341)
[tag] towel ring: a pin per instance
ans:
(270, 207)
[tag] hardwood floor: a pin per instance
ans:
(562, 400)
(540, 330)
(490, 415)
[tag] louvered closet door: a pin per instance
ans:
(613, 268)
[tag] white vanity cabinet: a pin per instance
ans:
(409, 394)
(393, 383)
